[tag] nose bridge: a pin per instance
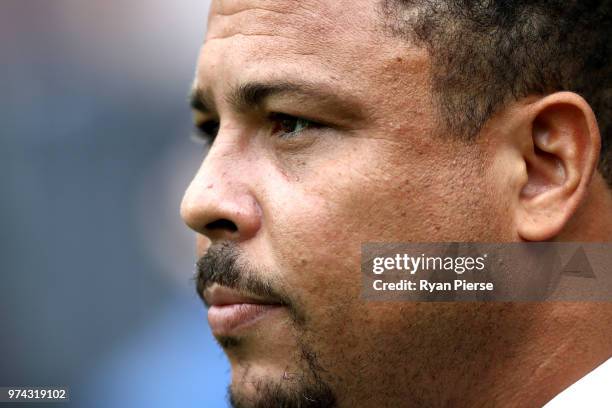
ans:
(220, 202)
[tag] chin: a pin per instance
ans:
(258, 386)
(282, 377)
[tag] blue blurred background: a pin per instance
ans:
(96, 291)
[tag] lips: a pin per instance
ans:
(231, 312)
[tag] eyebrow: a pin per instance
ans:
(253, 95)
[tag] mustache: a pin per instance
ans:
(222, 265)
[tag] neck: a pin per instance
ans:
(570, 339)
(569, 343)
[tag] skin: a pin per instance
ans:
(382, 169)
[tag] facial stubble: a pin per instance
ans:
(225, 265)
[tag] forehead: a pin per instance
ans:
(339, 41)
(290, 18)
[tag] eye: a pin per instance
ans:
(290, 126)
(206, 131)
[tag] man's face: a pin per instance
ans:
(328, 140)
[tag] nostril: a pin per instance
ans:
(222, 224)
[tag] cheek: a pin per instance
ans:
(317, 225)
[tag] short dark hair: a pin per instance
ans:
(487, 53)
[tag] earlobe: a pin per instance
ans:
(560, 159)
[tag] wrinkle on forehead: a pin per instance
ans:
(233, 7)
(294, 19)
(228, 7)
(336, 42)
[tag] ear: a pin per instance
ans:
(560, 156)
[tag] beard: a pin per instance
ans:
(223, 265)
(304, 390)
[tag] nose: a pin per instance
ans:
(219, 203)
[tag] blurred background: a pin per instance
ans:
(96, 289)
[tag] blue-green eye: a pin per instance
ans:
(290, 126)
